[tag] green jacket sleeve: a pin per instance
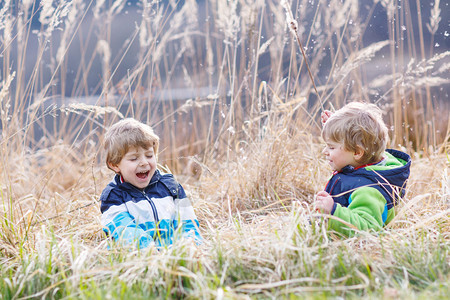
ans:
(364, 212)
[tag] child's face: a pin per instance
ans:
(338, 157)
(137, 166)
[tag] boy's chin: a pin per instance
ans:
(142, 185)
(333, 167)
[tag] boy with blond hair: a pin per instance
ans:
(368, 180)
(142, 206)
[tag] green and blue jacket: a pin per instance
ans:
(365, 197)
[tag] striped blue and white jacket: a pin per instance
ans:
(153, 216)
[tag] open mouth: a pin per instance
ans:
(142, 175)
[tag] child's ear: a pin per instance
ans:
(113, 167)
(358, 153)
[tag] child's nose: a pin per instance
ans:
(142, 161)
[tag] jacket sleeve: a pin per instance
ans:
(185, 217)
(118, 223)
(364, 212)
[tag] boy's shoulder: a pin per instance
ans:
(170, 183)
(112, 186)
(163, 176)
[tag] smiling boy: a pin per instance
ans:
(368, 180)
(142, 206)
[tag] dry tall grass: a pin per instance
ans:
(253, 134)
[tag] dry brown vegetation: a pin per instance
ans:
(247, 151)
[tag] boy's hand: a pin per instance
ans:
(324, 202)
(325, 116)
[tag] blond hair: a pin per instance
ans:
(358, 126)
(126, 134)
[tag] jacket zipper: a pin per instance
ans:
(155, 213)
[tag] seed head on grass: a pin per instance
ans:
(435, 18)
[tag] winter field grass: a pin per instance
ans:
(248, 152)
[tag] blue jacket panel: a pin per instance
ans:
(154, 215)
